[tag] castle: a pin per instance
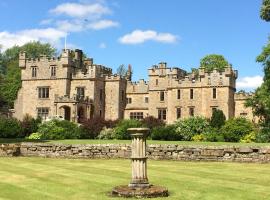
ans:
(76, 89)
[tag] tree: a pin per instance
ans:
(9, 61)
(265, 10)
(122, 70)
(218, 119)
(213, 61)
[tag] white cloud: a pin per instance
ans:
(102, 45)
(249, 82)
(46, 22)
(50, 35)
(79, 10)
(102, 24)
(140, 36)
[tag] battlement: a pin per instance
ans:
(162, 70)
(228, 71)
(113, 77)
(242, 95)
(140, 86)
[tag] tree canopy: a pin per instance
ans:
(213, 61)
(122, 70)
(265, 10)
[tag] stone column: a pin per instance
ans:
(138, 157)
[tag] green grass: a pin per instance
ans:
(44, 178)
(191, 143)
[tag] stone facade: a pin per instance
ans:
(76, 89)
(153, 151)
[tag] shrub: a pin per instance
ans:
(152, 122)
(213, 135)
(122, 126)
(106, 134)
(189, 127)
(165, 133)
(58, 130)
(198, 138)
(93, 127)
(251, 137)
(35, 136)
(235, 128)
(10, 127)
(218, 119)
(29, 125)
(263, 135)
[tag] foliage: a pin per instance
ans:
(213, 61)
(265, 10)
(263, 135)
(198, 138)
(9, 127)
(92, 127)
(35, 136)
(235, 128)
(165, 133)
(122, 126)
(251, 137)
(213, 135)
(152, 122)
(189, 127)
(218, 119)
(29, 125)
(122, 70)
(56, 130)
(106, 134)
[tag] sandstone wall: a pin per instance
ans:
(157, 152)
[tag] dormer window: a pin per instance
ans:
(34, 72)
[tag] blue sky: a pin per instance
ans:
(144, 32)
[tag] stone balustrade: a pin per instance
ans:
(153, 151)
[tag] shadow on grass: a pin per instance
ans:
(19, 140)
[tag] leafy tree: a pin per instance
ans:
(122, 126)
(213, 61)
(122, 70)
(218, 119)
(265, 10)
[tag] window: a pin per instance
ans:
(129, 100)
(80, 92)
(53, 70)
(162, 114)
(122, 95)
(136, 115)
(178, 94)
(214, 93)
(191, 111)
(100, 113)
(161, 96)
(146, 100)
(100, 94)
(43, 92)
(156, 81)
(42, 112)
(191, 94)
(178, 113)
(34, 72)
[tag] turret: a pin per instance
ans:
(22, 59)
(129, 73)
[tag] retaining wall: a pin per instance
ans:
(157, 152)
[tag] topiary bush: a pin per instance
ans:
(121, 128)
(58, 130)
(10, 128)
(165, 133)
(218, 119)
(187, 128)
(235, 128)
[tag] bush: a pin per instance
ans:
(235, 128)
(213, 135)
(58, 130)
(189, 127)
(218, 119)
(29, 125)
(251, 137)
(122, 126)
(35, 136)
(152, 122)
(263, 135)
(10, 128)
(93, 127)
(106, 134)
(198, 138)
(165, 133)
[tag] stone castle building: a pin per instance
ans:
(76, 89)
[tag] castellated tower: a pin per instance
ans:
(78, 89)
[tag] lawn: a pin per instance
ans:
(44, 178)
(84, 141)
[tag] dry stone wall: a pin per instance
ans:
(157, 152)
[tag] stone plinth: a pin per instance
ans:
(139, 186)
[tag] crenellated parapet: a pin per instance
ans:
(162, 70)
(242, 95)
(141, 86)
